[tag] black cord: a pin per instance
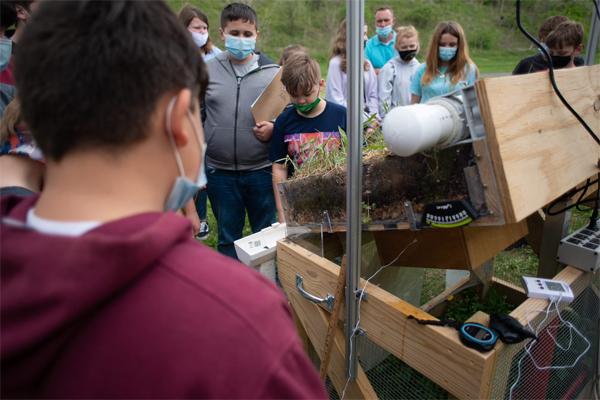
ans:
(583, 193)
(597, 10)
(572, 193)
(551, 74)
(594, 217)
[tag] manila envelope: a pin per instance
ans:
(271, 101)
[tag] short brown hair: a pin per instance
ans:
(300, 75)
(291, 50)
(549, 25)
(385, 8)
(568, 33)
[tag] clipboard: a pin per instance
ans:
(271, 102)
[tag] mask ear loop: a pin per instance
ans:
(171, 138)
(195, 128)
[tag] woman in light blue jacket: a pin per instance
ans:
(448, 66)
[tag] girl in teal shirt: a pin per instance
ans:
(448, 66)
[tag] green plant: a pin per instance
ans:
(462, 306)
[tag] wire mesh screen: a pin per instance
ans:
(389, 376)
(393, 379)
(522, 375)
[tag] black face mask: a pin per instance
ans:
(407, 55)
(560, 61)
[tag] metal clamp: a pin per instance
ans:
(327, 301)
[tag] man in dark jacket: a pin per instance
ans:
(103, 294)
(239, 170)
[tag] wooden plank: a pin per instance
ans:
(514, 294)
(434, 351)
(461, 285)
(315, 322)
(450, 251)
(576, 278)
(333, 320)
(535, 226)
(491, 192)
(459, 248)
(301, 331)
(484, 242)
(539, 150)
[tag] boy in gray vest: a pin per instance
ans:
(237, 156)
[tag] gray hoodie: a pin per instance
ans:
(228, 121)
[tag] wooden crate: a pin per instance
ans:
(435, 352)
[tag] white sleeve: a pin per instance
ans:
(334, 88)
(385, 86)
(371, 91)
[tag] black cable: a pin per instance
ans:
(597, 10)
(594, 217)
(551, 74)
(572, 193)
(579, 201)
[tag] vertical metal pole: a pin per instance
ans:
(354, 69)
(592, 44)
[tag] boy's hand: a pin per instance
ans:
(195, 220)
(263, 131)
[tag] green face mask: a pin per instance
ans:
(306, 108)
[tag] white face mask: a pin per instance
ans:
(184, 188)
(199, 38)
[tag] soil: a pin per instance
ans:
(388, 181)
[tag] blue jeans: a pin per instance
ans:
(232, 194)
(200, 201)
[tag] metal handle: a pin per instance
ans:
(327, 301)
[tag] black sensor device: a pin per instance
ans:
(449, 214)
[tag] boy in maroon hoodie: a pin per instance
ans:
(103, 294)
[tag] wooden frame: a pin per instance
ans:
(436, 352)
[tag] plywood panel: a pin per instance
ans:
(434, 351)
(457, 248)
(484, 242)
(538, 148)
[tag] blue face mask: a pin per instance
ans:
(5, 52)
(383, 32)
(239, 47)
(447, 53)
(184, 188)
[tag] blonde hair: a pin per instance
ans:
(406, 32)
(11, 118)
(339, 47)
(300, 74)
(456, 67)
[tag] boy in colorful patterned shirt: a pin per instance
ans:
(309, 123)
